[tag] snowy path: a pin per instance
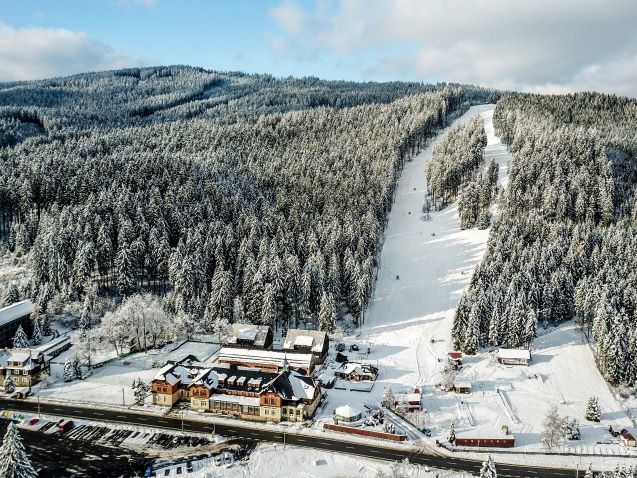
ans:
(405, 314)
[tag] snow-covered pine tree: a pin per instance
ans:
(140, 389)
(37, 332)
(451, 438)
(327, 313)
(488, 469)
(20, 339)
(9, 386)
(14, 460)
(85, 317)
(77, 367)
(593, 412)
(68, 370)
(13, 294)
(45, 324)
(553, 429)
(389, 399)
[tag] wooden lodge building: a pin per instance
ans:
(307, 341)
(244, 392)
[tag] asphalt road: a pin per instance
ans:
(244, 431)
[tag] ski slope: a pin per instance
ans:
(434, 260)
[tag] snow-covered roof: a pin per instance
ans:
(241, 400)
(263, 357)
(53, 345)
(347, 411)
(305, 338)
(15, 311)
(255, 334)
(302, 387)
(483, 432)
(359, 367)
(174, 373)
(408, 397)
(518, 354)
(19, 355)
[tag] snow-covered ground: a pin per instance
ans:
(273, 461)
(435, 260)
(112, 383)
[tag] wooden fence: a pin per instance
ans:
(363, 432)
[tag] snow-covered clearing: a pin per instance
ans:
(434, 260)
(273, 461)
(106, 384)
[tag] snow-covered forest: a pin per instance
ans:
(565, 240)
(235, 197)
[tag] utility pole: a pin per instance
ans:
(123, 400)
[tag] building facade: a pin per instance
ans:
(243, 392)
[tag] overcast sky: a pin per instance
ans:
(531, 45)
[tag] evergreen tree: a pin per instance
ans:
(77, 367)
(68, 370)
(37, 332)
(327, 313)
(488, 469)
(45, 324)
(451, 438)
(140, 390)
(14, 461)
(20, 340)
(9, 386)
(593, 412)
(12, 295)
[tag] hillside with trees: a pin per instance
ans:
(564, 243)
(234, 197)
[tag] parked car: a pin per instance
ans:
(340, 347)
(353, 348)
(65, 426)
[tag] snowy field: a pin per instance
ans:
(270, 461)
(111, 383)
(435, 260)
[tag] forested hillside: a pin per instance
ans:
(237, 197)
(565, 241)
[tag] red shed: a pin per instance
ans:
(483, 438)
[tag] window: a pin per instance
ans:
(267, 411)
(25, 372)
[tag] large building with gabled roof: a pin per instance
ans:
(243, 392)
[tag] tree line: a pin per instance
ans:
(264, 208)
(566, 238)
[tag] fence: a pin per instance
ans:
(367, 433)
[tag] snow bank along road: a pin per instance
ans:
(243, 430)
